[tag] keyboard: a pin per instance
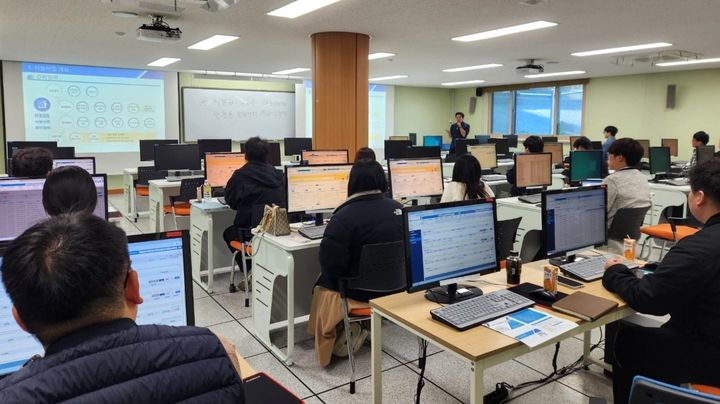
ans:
(178, 179)
(589, 269)
(477, 310)
(493, 177)
(534, 198)
(313, 232)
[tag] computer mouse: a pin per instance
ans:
(651, 265)
(542, 294)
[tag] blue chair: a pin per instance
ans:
(649, 391)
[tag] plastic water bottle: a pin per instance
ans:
(206, 191)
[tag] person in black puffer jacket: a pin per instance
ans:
(71, 285)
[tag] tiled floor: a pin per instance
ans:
(447, 379)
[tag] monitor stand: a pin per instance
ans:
(450, 294)
(319, 218)
(661, 176)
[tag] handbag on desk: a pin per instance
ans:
(275, 221)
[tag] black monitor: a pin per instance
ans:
(533, 170)
(512, 140)
(176, 157)
(705, 153)
(422, 151)
(672, 144)
(432, 140)
(659, 160)
(214, 146)
(63, 152)
(550, 139)
(13, 147)
(147, 148)
(483, 139)
(447, 241)
(414, 178)
(596, 145)
(501, 146)
(461, 145)
(86, 163)
(646, 147)
(294, 146)
(573, 219)
(273, 157)
(413, 138)
(395, 149)
(585, 164)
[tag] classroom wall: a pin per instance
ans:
(3, 160)
(478, 120)
(422, 110)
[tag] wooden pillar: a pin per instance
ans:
(340, 90)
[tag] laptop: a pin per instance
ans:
(162, 261)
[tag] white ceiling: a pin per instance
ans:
(419, 31)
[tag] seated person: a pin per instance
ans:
(684, 285)
(699, 139)
(532, 144)
(72, 287)
(609, 133)
(69, 189)
(627, 187)
(366, 217)
(582, 144)
(466, 182)
(33, 162)
(365, 153)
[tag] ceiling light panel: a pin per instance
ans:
(380, 55)
(388, 78)
(688, 62)
(569, 73)
(292, 71)
(468, 68)
(622, 49)
(212, 42)
(162, 62)
(460, 83)
(515, 29)
(300, 7)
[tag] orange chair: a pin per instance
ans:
(669, 229)
(712, 390)
(180, 204)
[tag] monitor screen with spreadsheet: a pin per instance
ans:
(447, 241)
(316, 188)
(672, 144)
(21, 204)
(533, 170)
(320, 157)
(556, 149)
(573, 218)
(86, 163)
(485, 154)
(414, 178)
(219, 167)
(646, 147)
(162, 262)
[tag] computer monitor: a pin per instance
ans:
(461, 145)
(705, 153)
(646, 147)
(162, 262)
(413, 138)
(448, 241)
(400, 137)
(21, 204)
(445, 147)
(147, 148)
(320, 157)
(86, 163)
(316, 188)
(501, 146)
(432, 140)
(414, 178)
(395, 149)
(422, 152)
(177, 157)
(512, 140)
(550, 139)
(485, 154)
(573, 219)
(64, 152)
(13, 147)
(585, 164)
(672, 144)
(483, 139)
(213, 146)
(294, 146)
(659, 160)
(557, 152)
(533, 170)
(596, 145)
(219, 167)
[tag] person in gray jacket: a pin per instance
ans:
(627, 187)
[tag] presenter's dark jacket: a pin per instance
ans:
(121, 362)
(366, 219)
(686, 285)
(254, 184)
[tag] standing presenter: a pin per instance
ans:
(458, 130)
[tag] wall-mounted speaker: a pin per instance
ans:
(670, 98)
(471, 107)
(478, 91)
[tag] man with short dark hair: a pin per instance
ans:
(627, 187)
(609, 133)
(532, 144)
(699, 139)
(684, 285)
(72, 286)
(33, 162)
(459, 130)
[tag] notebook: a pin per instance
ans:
(584, 306)
(261, 389)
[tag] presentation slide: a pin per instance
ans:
(94, 109)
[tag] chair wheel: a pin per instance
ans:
(232, 288)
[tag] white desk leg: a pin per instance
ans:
(290, 310)
(376, 356)
(210, 254)
(477, 389)
(587, 336)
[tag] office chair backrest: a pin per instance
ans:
(649, 391)
(531, 246)
(381, 269)
(146, 174)
(671, 211)
(627, 222)
(188, 189)
(507, 230)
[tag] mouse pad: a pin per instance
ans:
(524, 289)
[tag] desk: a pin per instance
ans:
(206, 241)
(129, 177)
(160, 192)
(295, 259)
(479, 347)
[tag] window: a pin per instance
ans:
(552, 110)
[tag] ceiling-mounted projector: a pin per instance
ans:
(158, 31)
(217, 5)
(530, 68)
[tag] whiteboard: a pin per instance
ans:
(237, 114)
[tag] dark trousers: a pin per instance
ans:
(662, 354)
